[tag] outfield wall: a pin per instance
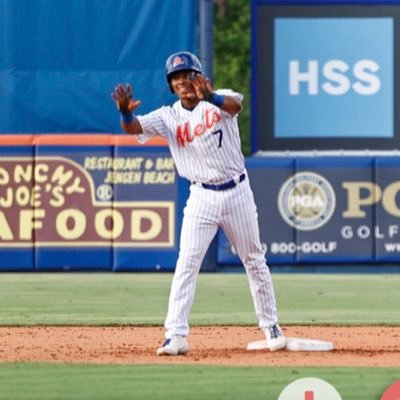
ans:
(325, 209)
(91, 202)
(67, 204)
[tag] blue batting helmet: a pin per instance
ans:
(179, 62)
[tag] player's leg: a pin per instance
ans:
(240, 224)
(198, 229)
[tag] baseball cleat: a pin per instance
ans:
(275, 338)
(174, 346)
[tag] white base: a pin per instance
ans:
(295, 344)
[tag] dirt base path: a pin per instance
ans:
(226, 345)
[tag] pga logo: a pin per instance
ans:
(334, 77)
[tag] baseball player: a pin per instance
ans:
(203, 136)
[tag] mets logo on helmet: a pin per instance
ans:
(178, 61)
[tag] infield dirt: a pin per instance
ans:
(213, 345)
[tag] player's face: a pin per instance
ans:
(181, 82)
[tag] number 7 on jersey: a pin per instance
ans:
(219, 131)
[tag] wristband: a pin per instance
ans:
(127, 118)
(216, 99)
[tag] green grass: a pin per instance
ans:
(141, 299)
(103, 382)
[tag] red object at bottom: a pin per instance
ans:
(308, 395)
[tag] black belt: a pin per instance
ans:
(227, 185)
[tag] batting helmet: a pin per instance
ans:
(179, 62)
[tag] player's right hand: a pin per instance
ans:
(123, 98)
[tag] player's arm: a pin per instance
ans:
(205, 91)
(123, 98)
(231, 105)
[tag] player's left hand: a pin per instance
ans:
(202, 86)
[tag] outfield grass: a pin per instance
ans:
(118, 382)
(141, 299)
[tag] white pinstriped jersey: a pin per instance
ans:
(204, 142)
(205, 145)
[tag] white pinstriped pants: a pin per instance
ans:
(233, 210)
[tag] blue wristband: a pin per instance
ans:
(217, 99)
(127, 118)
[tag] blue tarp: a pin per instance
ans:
(60, 60)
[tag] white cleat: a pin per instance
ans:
(174, 346)
(275, 338)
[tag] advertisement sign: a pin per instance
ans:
(329, 86)
(325, 210)
(385, 194)
(98, 207)
(322, 72)
(58, 192)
